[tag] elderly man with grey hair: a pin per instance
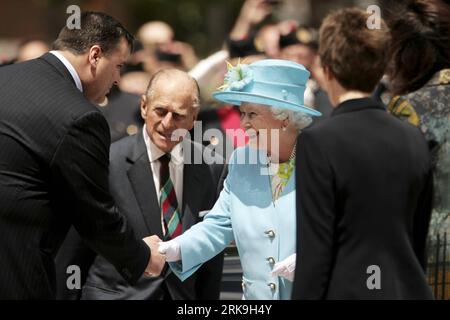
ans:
(161, 191)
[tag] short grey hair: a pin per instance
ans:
(299, 119)
(173, 72)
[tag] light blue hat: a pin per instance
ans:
(272, 82)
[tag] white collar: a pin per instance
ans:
(69, 67)
(154, 153)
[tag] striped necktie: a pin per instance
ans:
(168, 201)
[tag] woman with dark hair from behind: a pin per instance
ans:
(420, 83)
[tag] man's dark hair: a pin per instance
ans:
(97, 28)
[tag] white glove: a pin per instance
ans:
(285, 268)
(171, 249)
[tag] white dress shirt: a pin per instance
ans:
(69, 67)
(176, 168)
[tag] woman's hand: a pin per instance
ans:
(285, 268)
(171, 249)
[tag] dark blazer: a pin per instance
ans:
(363, 199)
(131, 183)
(54, 174)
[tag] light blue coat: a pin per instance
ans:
(264, 233)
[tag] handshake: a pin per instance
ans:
(160, 252)
(170, 251)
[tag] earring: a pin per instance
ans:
(283, 129)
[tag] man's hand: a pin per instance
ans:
(252, 13)
(171, 249)
(157, 260)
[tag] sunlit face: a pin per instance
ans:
(169, 108)
(107, 72)
(260, 125)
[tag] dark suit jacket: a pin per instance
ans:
(54, 174)
(131, 182)
(363, 199)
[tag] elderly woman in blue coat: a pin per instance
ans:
(256, 207)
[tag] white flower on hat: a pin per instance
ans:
(237, 77)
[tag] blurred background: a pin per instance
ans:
(202, 23)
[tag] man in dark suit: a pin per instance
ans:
(363, 180)
(136, 181)
(54, 161)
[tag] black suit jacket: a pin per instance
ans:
(54, 174)
(131, 182)
(363, 199)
